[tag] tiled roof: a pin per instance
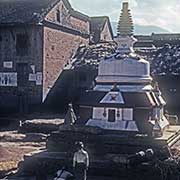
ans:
(23, 11)
(144, 45)
(30, 11)
(79, 15)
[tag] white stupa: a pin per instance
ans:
(124, 98)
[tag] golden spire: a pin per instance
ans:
(125, 25)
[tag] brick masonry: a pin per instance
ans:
(58, 49)
(60, 46)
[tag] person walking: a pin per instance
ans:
(80, 162)
(70, 117)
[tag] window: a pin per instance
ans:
(111, 115)
(22, 43)
(58, 16)
(105, 37)
(63, 14)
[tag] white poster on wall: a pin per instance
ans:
(32, 77)
(8, 79)
(38, 78)
(8, 64)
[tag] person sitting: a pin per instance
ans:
(141, 157)
(63, 174)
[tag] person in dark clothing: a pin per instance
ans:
(141, 157)
(63, 174)
(23, 101)
(70, 117)
(80, 162)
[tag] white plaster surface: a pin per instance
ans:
(118, 125)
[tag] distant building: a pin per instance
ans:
(100, 29)
(144, 42)
(125, 24)
(156, 40)
(37, 38)
(161, 39)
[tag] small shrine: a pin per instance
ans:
(124, 97)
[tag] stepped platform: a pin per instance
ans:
(170, 136)
(108, 151)
(114, 142)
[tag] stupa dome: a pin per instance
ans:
(124, 69)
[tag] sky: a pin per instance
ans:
(162, 13)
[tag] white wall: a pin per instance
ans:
(106, 34)
(124, 114)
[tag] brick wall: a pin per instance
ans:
(59, 46)
(78, 24)
(58, 49)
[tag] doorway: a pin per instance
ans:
(22, 74)
(111, 115)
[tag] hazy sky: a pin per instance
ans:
(163, 13)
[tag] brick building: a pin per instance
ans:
(37, 38)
